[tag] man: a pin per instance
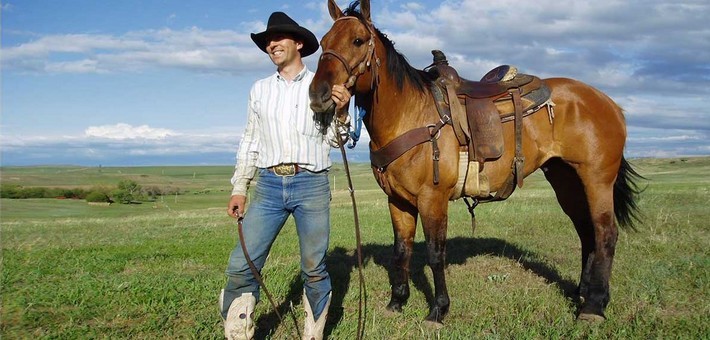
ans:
(285, 145)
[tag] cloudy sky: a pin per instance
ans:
(138, 82)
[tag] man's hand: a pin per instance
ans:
(341, 96)
(236, 206)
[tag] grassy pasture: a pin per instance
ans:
(154, 270)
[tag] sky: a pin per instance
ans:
(165, 82)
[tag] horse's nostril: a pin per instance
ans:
(325, 96)
(322, 92)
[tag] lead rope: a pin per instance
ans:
(362, 295)
(259, 279)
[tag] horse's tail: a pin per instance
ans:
(626, 192)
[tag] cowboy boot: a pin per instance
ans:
(313, 329)
(239, 324)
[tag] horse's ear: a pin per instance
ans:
(365, 10)
(334, 10)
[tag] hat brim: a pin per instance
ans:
(310, 43)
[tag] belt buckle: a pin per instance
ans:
(285, 170)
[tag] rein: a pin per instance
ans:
(260, 280)
(362, 297)
(353, 75)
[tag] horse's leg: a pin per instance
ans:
(404, 223)
(599, 187)
(570, 194)
(586, 196)
(434, 222)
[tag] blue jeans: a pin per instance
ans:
(306, 196)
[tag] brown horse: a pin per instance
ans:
(580, 152)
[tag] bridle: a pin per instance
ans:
(361, 67)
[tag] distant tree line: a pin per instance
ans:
(126, 191)
(20, 192)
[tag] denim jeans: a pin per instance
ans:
(306, 196)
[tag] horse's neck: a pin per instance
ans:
(392, 112)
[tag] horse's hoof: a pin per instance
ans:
(394, 307)
(593, 318)
(433, 324)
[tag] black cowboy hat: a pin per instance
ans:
(279, 22)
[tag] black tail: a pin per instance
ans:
(626, 192)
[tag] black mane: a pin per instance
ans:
(397, 64)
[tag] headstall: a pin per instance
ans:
(364, 64)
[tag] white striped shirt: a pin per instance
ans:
(280, 129)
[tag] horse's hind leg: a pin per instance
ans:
(570, 194)
(404, 222)
(586, 196)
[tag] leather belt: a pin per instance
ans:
(286, 169)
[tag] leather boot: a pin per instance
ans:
(239, 324)
(313, 329)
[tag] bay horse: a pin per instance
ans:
(580, 153)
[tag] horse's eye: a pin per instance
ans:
(358, 42)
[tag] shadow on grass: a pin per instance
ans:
(342, 267)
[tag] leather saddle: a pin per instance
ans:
(477, 109)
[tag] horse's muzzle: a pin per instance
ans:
(321, 101)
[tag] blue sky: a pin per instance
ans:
(139, 82)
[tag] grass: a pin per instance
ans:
(154, 270)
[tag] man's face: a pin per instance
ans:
(283, 49)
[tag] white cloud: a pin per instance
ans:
(402, 20)
(123, 131)
(413, 6)
(577, 39)
(79, 66)
(122, 144)
(190, 49)
(610, 43)
(613, 74)
(687, 113)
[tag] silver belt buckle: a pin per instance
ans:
(285, 170)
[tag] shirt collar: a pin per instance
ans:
(298, 77)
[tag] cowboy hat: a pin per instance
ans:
(279, 22)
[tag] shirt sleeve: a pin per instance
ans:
(248, 150)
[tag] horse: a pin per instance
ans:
(580, 151)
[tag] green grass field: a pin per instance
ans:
(154, 270)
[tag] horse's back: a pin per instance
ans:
(585, 99)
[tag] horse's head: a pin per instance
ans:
(348, 52)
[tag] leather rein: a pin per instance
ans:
(362, 299)
(353, 75)
(260, 280)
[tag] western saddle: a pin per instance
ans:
(476, 111)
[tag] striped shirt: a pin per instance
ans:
(280, 129)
